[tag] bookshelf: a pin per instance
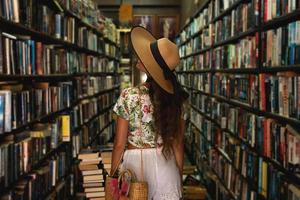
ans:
(244, 112)
(58, 83)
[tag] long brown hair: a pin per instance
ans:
(167, 114)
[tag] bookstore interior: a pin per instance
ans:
(64, 63)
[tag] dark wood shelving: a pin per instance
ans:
(111, 42)
(97, 135)
(281, 21)
(195, 71)
(289, 175)
(204, 5)
(54, 114)
(52, 77)
(40, 119)
(196, 53)
(238, 71)
(34, 167)
(236, 38)
(51, 193)
(276, 69)
(93, 118)
(194, 35)
(266, 70)
(19, 29)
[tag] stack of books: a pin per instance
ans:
(92, 175)
(106, 160)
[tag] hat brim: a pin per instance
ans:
(141, 39)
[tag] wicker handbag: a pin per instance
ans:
(138, 190)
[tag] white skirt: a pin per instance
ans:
(162, 175)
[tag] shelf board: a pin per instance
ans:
(97, 135)
(19, 29)
(54, 114)
(256, 111)
(236, 38)
(276, 69)
(194, 71)
(93, 117)
(194, 35)
(238, 71)
(52, 77)
(111, 42)
(204, 5)
(281, 21)
(196, 53)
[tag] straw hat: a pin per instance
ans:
(160, 57)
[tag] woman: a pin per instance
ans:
(150, 119)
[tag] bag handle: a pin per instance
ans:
(118, 164)
(140, 126)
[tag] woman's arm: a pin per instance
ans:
(178, 147)
(119, 143)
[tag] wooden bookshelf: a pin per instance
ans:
(18, 29)
(258, 28)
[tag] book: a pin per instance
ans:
(87, 178)
(65, 127)
(92, 172)
(95, 194)
(7, 95)
(87, 156)
(100, 189)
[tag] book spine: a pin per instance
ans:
(58, 27)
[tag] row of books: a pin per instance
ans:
(268, 137)
(240, 20)
(90, 136)
(92, 131)
(110, 30)
(24, 56)
(281, 46)
(273, 9)
(243, 88)
(51, 177)
(88, 86)
(235, 163)
(240, 55)
(87, 109)
(19, 105)
(32, 12)
(21, 152)
(200, 82)
(202, 41)
(280, 94)
(85, 10)
(197, 24)
(110, 50)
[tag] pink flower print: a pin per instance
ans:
(139, 133)
(124, 94)
(146, 109)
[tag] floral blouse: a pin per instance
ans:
(134, 105)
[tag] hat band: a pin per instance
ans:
(160, 61)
